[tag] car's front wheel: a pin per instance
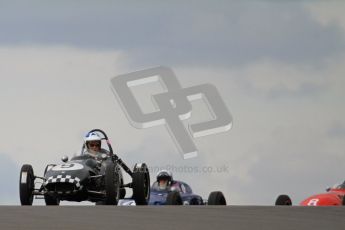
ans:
(141, 184)
(26, 185)
(112, 184)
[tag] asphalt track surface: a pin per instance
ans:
(166, 218)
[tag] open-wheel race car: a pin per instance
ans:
(334, 196)
(166, 191)
(90, 177)
(180, 193)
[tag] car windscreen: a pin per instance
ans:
(155, 188)
(339, 186)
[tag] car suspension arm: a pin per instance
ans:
(123, 165)
(129, 185)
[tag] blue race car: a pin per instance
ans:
(166, 191)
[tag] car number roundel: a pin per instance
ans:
(313, 202)
(68, 167)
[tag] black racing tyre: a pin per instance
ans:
(51, 200)
(26, 185)
(174, 198)
(112, 184)
(283, 200)
(216, 198)
(141, 184)
(343, 203)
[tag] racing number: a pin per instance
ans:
(313, 202)
(66, 166)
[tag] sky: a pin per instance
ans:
(278, 65)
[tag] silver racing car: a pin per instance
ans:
(96, 178)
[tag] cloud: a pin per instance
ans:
(277, 144)
(9, 169)
(328, 13)
(277, 66)
(276, 79)
(337, 129)
(227, 34)
(47, 92)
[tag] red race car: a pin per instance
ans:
(335, 196)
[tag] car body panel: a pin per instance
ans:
(72, 180)
(158, 197)
(334, 197)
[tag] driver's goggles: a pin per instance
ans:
(94, 145)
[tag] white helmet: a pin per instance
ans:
(164, 174)
(92, 137)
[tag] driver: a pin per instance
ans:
(164, 179)
(93, 144)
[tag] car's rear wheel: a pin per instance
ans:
(141, 184)
(112, 184)
(216, 198)
(26, 185)
(174, 198)
(283, 200)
